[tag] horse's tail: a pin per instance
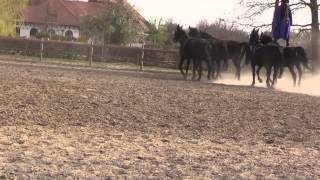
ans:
(246, 51)
(301, 53)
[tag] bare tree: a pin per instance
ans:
(223, 30)
(257, 7)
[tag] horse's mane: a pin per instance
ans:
(206, 35)
(194, 32)
(265, 38)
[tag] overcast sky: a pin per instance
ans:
(185, 11)
(211, 10)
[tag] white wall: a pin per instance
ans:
(25, 30)
(59, 30)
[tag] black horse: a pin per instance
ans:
(293, 57)
(218, 50)
(268, 56)
(234, 50)
(194, 49)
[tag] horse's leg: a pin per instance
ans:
(225, 64)
(258, 73)
(269, 68)
(209, 66)
(180, 66)
(237, 65)
(281, 71)
(293, 74)
(299, 73)
(200, 69)
(213, 67)
(253, 66)
(238, 71)
(275, 75)
(194, 69)
(218, 68)
(225, 57)
(187, 68)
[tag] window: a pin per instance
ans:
(17, 31)
(33, 32)
(51, 32)
(69, 34)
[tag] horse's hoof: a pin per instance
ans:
(260, 80)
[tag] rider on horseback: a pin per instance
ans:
(282, 21)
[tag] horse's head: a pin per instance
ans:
(193, 32)
(254, 37)
(179, 34)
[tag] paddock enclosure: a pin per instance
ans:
(67, 122)
(44, 49)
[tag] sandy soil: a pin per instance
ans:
(59, 122)
(309, 84)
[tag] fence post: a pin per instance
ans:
(41, 50)
(91, 53)
(142, 57)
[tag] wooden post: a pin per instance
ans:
(41, 50)
(142, 57)
(91, 53)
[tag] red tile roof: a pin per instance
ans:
(64, 12)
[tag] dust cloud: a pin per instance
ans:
(310, 84)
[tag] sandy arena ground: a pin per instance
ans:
(59, 122)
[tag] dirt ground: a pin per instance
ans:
(67, 123)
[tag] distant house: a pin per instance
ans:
(61, 17)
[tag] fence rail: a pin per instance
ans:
(93, 53)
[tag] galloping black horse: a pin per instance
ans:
(194, 49)
(293, 57)
(234, 50)
(268, 56)
(218, 50)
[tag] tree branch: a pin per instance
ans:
(255, 8)
(305, 3)
(301, 26)
(303, 30)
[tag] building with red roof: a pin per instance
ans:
(62, 17)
